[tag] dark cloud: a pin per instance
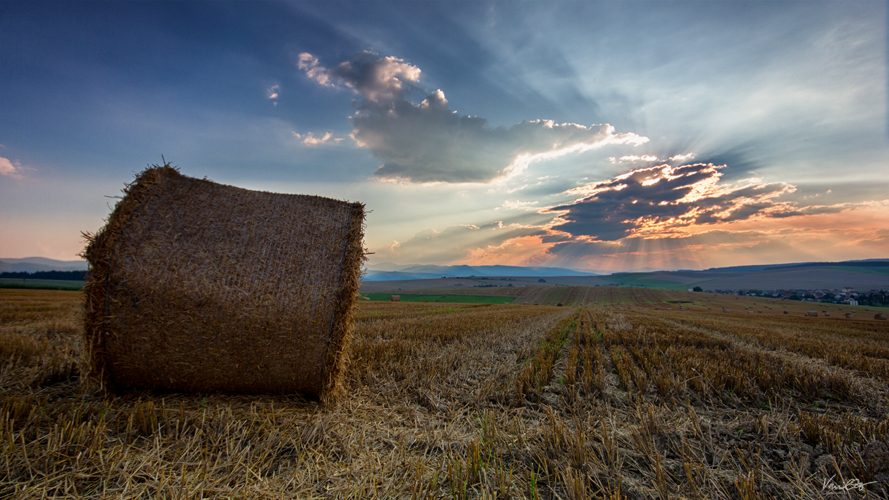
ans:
(661, 198)
(428, 142)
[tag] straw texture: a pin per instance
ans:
(197, 286)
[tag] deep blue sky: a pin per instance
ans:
(476, 132)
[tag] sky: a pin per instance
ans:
(608, 136)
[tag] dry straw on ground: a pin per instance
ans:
(198, 286)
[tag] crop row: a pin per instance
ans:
(859, 346)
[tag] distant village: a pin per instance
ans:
(833, 296)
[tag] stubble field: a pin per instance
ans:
(619, 397)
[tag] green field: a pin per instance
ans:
(461, 299)
(41, 284)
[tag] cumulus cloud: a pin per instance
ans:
(309, 139)
(272, 93)
(429, 142)
(661, 200)
(379, 80)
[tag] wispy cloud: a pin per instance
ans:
(11, 168)
(429, 142)
(518, 205)
(457, 243)
(676, 159)
(635, 158)
(309, 63)
(272, 93)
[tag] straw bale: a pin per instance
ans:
(813, 313)
(395, 298)
(880, 316)
(197, 286)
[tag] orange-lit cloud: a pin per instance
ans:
(664, 217)
(662, 200)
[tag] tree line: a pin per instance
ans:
(46, 275)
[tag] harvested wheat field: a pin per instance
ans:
(470, 401)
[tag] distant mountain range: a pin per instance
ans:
(34, 264)
(389, 271)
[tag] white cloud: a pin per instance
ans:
(309, 64)
(634, 158)
(428, 142)
(518, 205)
(309, 139)
(680, 158)
(272, 93)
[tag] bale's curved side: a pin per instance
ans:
(343, 321)
(98, 253)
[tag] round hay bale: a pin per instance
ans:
(395, 298)
(880, 317)
(197, 286)
(812, 313)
